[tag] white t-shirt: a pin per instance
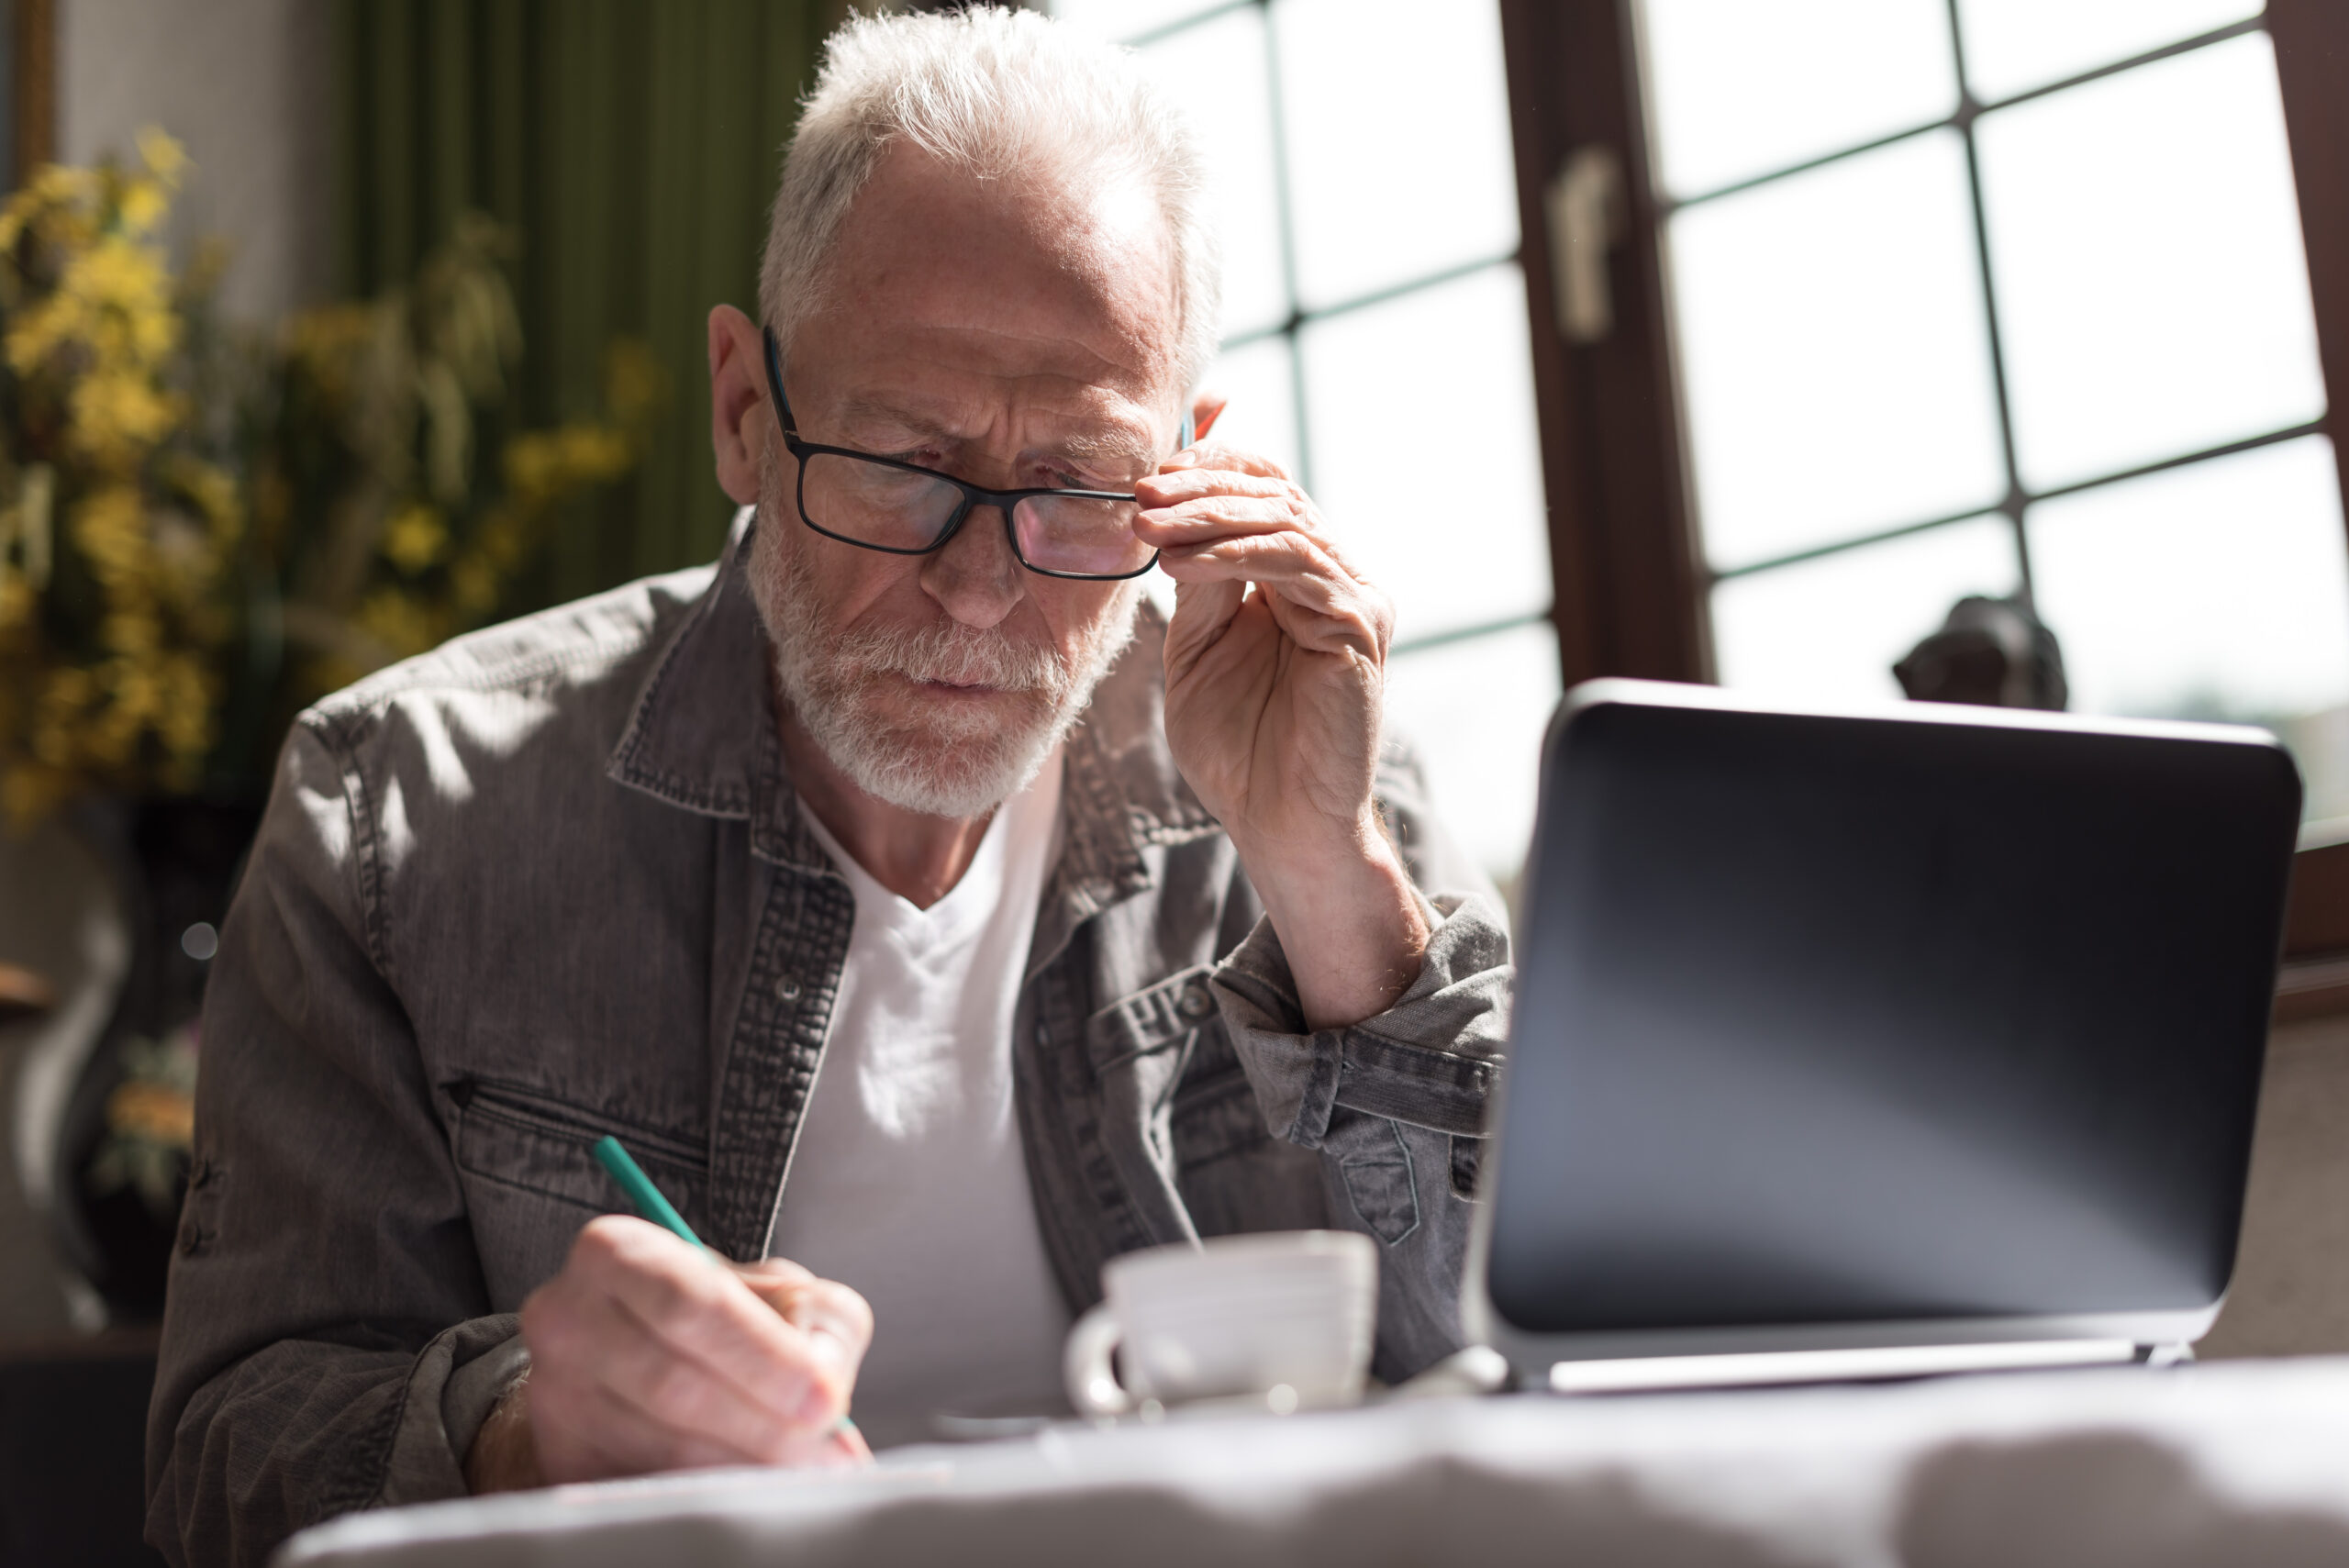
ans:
(910, 1183)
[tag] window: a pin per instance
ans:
(1375, 342)
(1997, 296)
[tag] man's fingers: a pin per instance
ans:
(687, 1395)
(583, 1431)
(1207, 517)
(836, 1321)
(837, 1326)
(700, 1311)
(1215, 455)
(1179, 486)
(1316, 598)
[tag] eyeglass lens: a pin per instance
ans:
(897, 509)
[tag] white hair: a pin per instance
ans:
(999, 93)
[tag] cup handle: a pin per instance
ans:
(1093, 1386)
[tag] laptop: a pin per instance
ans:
(1877, 1043)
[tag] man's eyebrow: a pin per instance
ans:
(1110, 441)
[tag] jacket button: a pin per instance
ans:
(787, 988)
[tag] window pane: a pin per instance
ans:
(1218, 71)
(1829, 631)
(2147, 245)
(1837, 373)
(2215, 591)
(1475, 711)
(2013, 45)
(1259, 379)
(1741, 87)
(1421, 413)
(1123, 19)
(1397, 118)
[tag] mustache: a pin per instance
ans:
(954, 654)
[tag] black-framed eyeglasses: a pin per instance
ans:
(902, 508)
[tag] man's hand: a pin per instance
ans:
(646, 1356)
(1275, 670)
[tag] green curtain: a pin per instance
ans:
(633, 146)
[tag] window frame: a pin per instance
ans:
(1632, 588)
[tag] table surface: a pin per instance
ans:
(2242, 1464)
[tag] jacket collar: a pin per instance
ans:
(702, 737)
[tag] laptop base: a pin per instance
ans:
(1649, 1375)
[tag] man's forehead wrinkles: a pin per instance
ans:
(867, 410)
(1130, 368)
(1085, 426)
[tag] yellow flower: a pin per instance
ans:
(163, 154)
(185, 722)
(144, 205)
(416, 538)
(110, 528)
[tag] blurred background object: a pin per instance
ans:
(1991, 653)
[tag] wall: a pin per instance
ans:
(244, 86)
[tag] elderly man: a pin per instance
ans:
(932, 920)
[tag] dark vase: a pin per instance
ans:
(176, 862)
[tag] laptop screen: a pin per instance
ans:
(1847, 1019)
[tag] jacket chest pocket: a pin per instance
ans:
(532, 1180)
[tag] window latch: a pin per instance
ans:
(1584, 205)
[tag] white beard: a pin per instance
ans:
(943, 761)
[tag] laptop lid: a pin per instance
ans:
(1925, 1026)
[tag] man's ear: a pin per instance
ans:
(1205, 409)
(740, 421)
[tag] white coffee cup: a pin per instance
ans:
(1284, 1316)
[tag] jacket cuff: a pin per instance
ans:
(1428, 1060)
(457, 1379)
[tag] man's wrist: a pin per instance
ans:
(1351, 923)
(504, 1456)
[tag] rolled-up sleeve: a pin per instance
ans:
(1427, 1061)
(328, 1343)
(1395, 1104)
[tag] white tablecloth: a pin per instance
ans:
(2238, 1463)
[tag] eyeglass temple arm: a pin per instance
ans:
(774, 382)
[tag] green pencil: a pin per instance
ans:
(648, 1202)
(641, 1193)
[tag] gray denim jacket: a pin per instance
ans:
(550, 882)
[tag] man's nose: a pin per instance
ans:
(976, 579)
